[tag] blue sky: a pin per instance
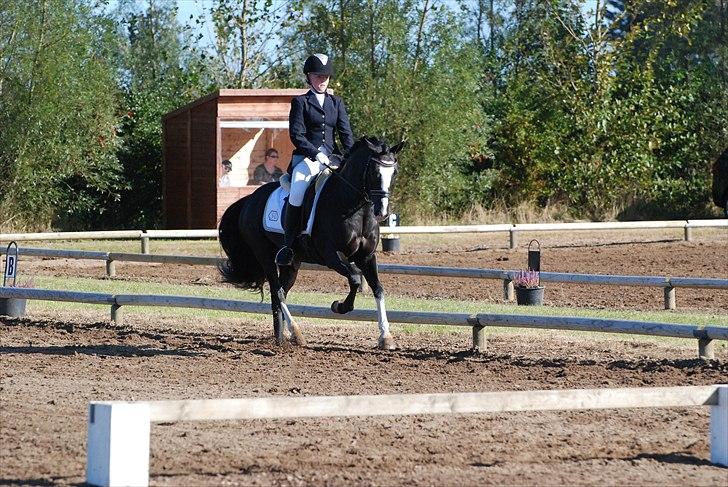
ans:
(199, 8)
(191, 7)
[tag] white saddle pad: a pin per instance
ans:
(272, 221)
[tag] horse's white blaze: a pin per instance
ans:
(387, 173)
(382, 318)
(385, 206)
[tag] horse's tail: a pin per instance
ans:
(241, 267)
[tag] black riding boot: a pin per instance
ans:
(292, 226)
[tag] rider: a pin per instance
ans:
(313, 118)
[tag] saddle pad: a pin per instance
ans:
(272, 216)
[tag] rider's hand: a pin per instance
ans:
(322, 158)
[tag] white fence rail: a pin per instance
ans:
(513, 230)
(119, 432)
(667, 283)
(478, 322)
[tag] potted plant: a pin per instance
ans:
(529, 290)
(15, 307)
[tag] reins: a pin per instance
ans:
(361, 193)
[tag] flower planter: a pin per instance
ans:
(13, 307)
(529, 296)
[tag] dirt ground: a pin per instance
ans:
(53, 364)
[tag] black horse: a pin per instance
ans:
(344, 237)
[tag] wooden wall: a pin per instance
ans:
(175, 190)
(276, 105)
(203, 161)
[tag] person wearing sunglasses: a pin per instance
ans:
(316, 117)
(268, 171)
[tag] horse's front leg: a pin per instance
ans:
(341, 264)
(369, 269)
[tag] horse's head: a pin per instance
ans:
(380, 173)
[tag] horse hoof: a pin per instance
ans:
(387, 343)
(335, 307)
(297, 337)
(280, 336)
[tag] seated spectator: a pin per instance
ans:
(227, 167)
(268, 171)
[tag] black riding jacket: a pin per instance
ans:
(311, 126)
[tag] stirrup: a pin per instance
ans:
(285, 182)
(284, 256)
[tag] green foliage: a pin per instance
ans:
(154, 81)
(246, 52)
(57, 103)
(421, 91)
(621, 120)
(619, 107)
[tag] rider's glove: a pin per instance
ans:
(322, 158)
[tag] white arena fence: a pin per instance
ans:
(669, 284)
(513, 230)
(478, 321)
(119, 432)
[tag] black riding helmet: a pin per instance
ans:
(318, 64)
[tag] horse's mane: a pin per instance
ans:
(368, 143)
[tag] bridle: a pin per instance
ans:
(378, 193)
(367, 194)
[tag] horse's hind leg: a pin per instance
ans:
(274, 283)
(288, 276)
(369, 269)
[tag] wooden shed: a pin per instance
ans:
(234, 125)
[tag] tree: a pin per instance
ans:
(405, 71)
(597, 114)
(156, 76)
(248, 38)
(57, 102)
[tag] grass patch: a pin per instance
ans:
(367, 302)
(363, 302)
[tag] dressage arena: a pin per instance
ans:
(55, 361)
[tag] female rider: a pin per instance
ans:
(312, 121)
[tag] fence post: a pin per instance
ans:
(118, 444)
(110, 268)
(669, 297)
(706, 349)
(688, 233)
(116, 315)
(719, 428)
(479, 343)
(508, 291)
(145, 243)
(513, 238)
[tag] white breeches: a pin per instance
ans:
(304, 170)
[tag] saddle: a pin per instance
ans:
(275, 207)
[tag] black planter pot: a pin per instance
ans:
(529, 296)
(13, 307)
(390, 244)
